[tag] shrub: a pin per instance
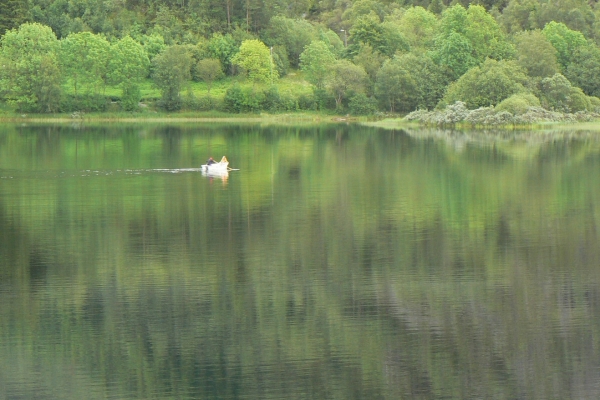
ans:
(360, 104)
(83, 102)
(518, 104)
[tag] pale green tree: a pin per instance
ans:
(171, 71)
(316, 61)
(127, 68)
(83, 57)
(255, 60)
(30, 75)
(345, 77)
(209, 70)
(418, 27)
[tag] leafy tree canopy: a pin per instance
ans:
(255, 59)
(487, 85)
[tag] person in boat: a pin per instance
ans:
(210, 161)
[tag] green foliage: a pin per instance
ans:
(223, 48)
(171, 72)
(418, 26)
(487, 85)
(455, 53)
(361, 104)
(12, 14)
(84, 58)
(83, 102)
(315, 61)
(345, 77)
(558, 94)
(127, 67)
(466, 38)
(395, 87)
(519, 103)
(386, 38)
(255, 59)
(429, 77)
(30, 76)
(536, 54)
(209, 70)
(584, 69)
(128, 62)
(565, 41)
(153, 44)
(130, 97)
(293, 34)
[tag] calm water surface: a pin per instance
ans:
(339, 262)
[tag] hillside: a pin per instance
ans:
(358, 57)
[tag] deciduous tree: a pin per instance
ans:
(255, 59)
(345, 78)
(84, 58)
(171, 72)
(316, 61)
(209, 70)
(128, 66)
(30, 75)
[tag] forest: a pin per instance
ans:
(503, 58)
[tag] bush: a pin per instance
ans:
(131, 97)
(239, 100)
(518, 104)
(276, 101)
(234, 99)
(83, 102)
(360, 104)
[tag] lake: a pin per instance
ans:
(337, 262)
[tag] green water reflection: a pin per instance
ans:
(339, 262)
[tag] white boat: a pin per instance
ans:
(217, 168)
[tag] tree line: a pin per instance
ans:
(360, 56)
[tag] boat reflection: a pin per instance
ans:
(217, 174)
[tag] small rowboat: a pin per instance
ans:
(218, 168)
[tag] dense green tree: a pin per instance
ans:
(209, 70)
(83, 57)
(395, 87)
(316, 61)
(370, 60)
(12, 14)
(30, 76)
(418, 27)
(345, 78)
(255, 60)
(153, 44)
(486, 36)
(429, 76)
(565, 41)
(455, 53)
(584, 69)
(557, 93)
(487, 85)
(386, 38)
(293, 34)
(223, 48)
(127, 67)
(467, 37)
(171, 72)
(536, 54)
